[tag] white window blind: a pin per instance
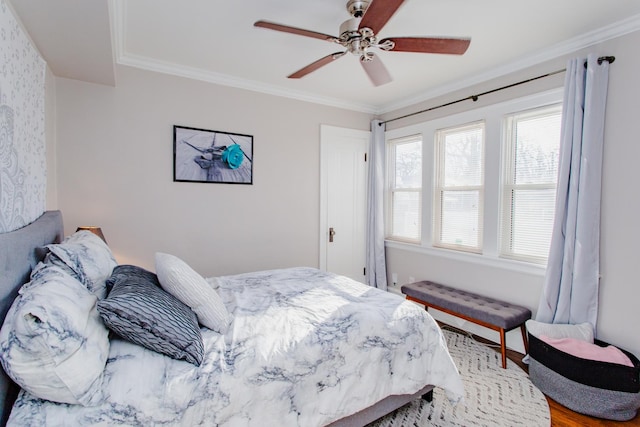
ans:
(530, 167)
(405, 188)
(459, 187)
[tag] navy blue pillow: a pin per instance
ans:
(140, 311)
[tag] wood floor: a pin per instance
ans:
(563, 417)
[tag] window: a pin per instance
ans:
(530, 169)
(458, 190)
(405, 188)
(487, 188)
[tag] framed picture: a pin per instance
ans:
(201, 155)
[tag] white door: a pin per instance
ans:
(343, 200)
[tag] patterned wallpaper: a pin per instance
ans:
(23, 174)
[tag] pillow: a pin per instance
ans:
(88, 258)
(138, 310)
(181, 281)
(582, 331)
(53, 343)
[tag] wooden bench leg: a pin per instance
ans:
(523, 329)
(503, 344)
(503, 348)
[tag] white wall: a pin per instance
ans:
(620, 285)
(114, 169)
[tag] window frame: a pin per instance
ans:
(493, 115)
(508, 185)
(392, 189)
(440, 188)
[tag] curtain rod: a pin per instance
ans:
(474, 98)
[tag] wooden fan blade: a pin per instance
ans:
(378, 13)
(294, 30)
(315, 65)
(453, 46)
(376, 71)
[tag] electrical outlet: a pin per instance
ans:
(394, 278)
(411, 279)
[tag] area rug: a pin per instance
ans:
(493, 396)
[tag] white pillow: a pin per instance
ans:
(87, 258)
(181, 281)
(54, 344)
(582, 331)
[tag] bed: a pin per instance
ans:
(297, 349)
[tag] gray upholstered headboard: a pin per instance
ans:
(20, 251)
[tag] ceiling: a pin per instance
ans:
(215, 41)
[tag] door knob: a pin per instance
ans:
(332, 233)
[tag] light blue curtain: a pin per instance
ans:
(570, 292)
(376, 263)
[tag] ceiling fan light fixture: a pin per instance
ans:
(367, 56)
(349, 29)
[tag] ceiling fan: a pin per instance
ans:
(358, 36)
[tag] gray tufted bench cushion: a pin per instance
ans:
(491, 313)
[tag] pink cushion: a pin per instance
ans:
(589, 351)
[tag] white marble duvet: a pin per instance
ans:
(305, 348)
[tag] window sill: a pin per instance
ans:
(484, 260)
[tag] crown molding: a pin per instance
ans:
(119, 9)
(617, 29)
(231, 81)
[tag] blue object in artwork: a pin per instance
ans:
(233, 156)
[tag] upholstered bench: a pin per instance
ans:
(488, 312)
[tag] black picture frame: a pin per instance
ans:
(210, 156)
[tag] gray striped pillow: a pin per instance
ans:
(138, 310)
